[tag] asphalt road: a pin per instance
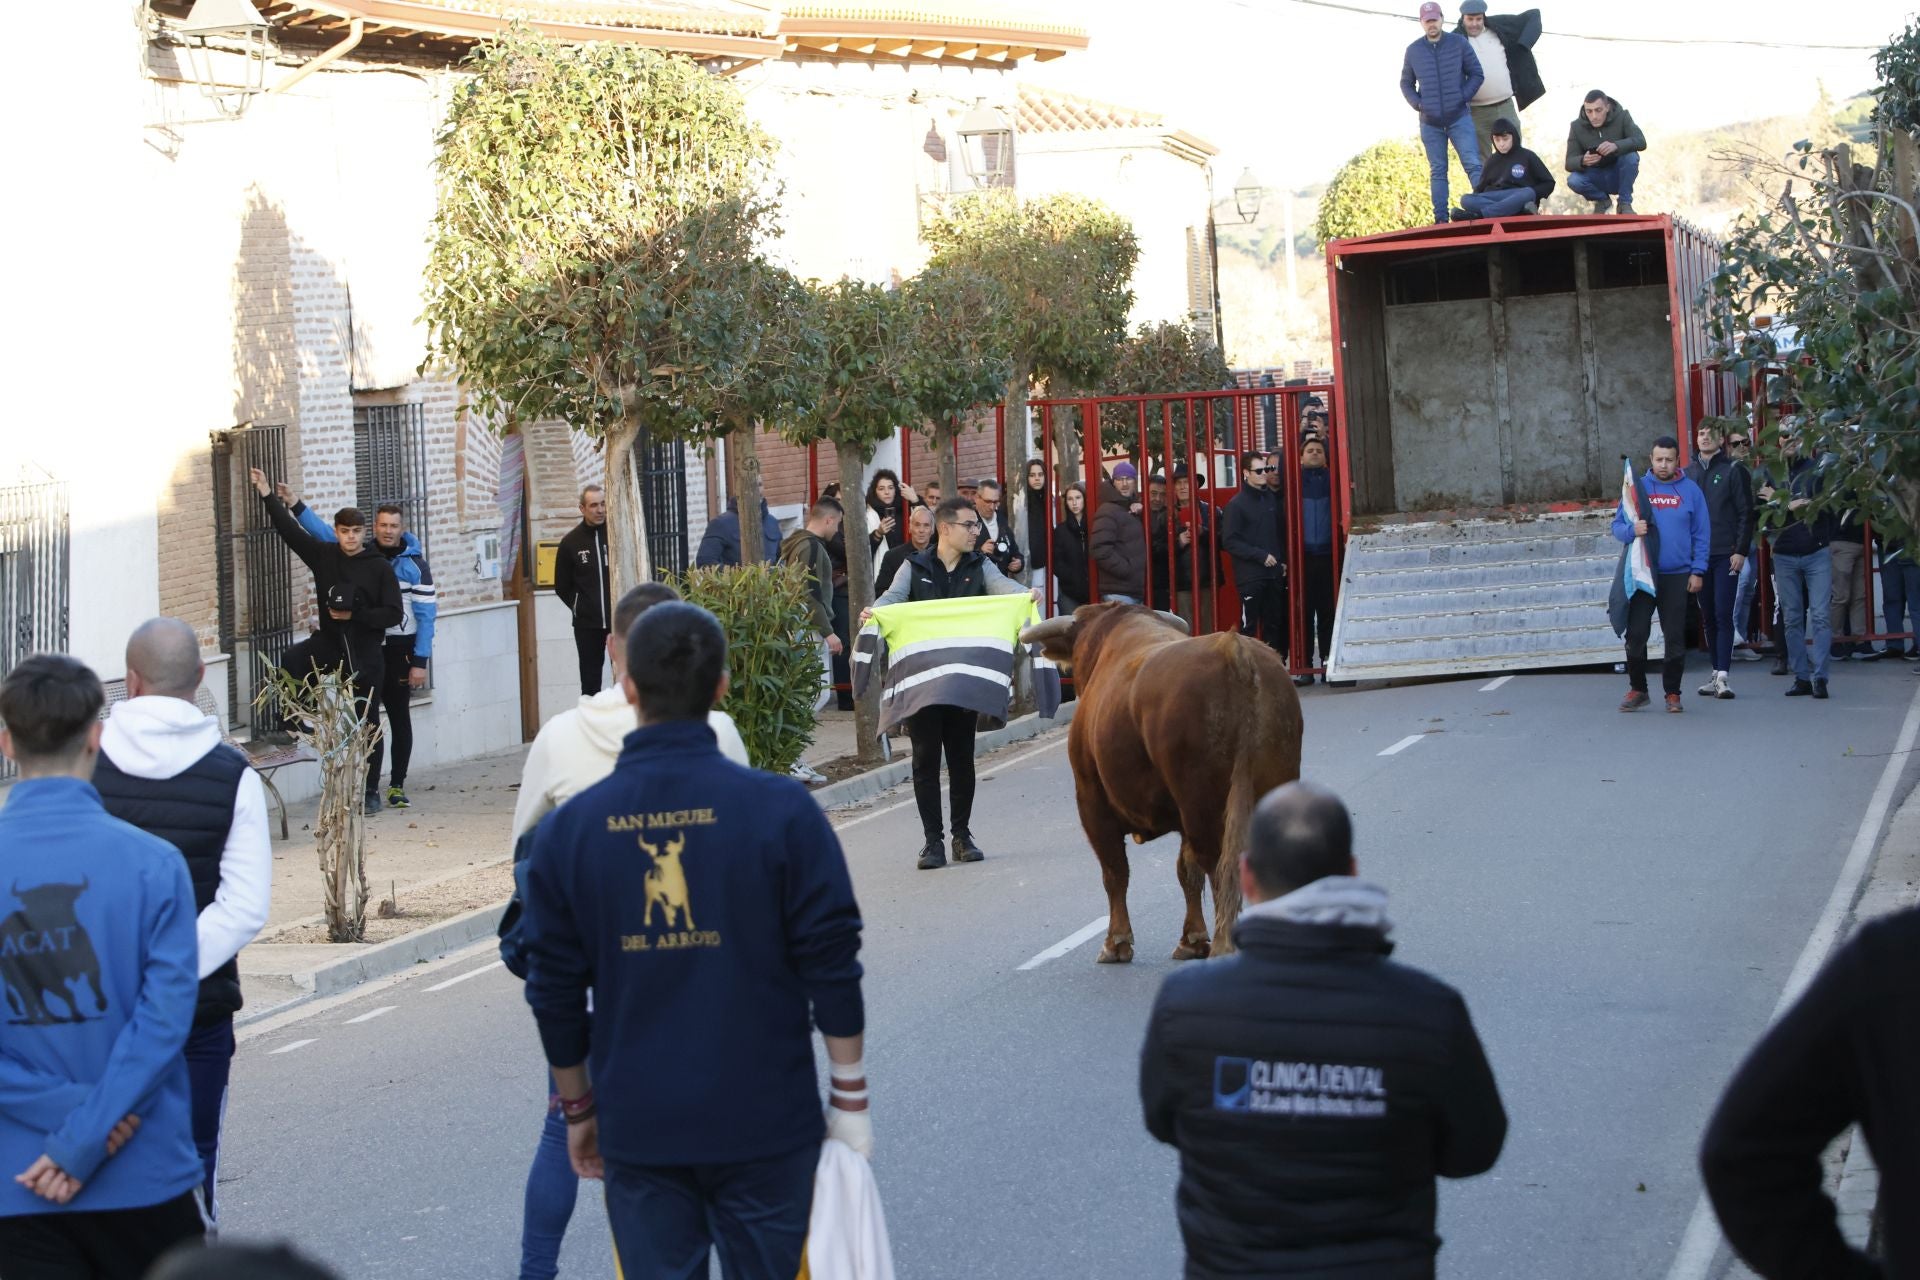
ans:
(1621, 899)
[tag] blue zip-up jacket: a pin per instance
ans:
(1316, 511)
(99, 976)
(1677, 511)
(1438, 78)
(709, 909)
(417, 591)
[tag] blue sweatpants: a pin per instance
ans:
(209, 1055)
(667, 1220)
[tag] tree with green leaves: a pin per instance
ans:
(865, 397)
(1384, 188)
(961, 355)
(1836, 261)
(1066, 265)
(594, 250)
(1156, 358)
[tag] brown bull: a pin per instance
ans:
(1173, 733)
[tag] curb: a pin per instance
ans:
(384, 959)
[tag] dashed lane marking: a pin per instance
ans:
(1403, 744)
(998, 766)
(471, 973)
(289, 1048)
(1491, 685)
(371, 1014)
(1066, 944)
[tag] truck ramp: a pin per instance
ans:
(1457, 597)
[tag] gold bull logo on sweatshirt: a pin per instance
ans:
(666, 883)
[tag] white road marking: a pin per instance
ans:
(370, 1015)
(1701, 1244)
(1066, 944)
(1403, 744)
(305, 1009)
(1491, 685)
(471, 973)
(999, 765)
(289, 1048)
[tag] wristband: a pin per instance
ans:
(849, 1086)
(574, 1106)
(579, 1117)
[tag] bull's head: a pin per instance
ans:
(1059, 637)
(50, 901)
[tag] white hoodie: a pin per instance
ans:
(158, 737)
(577, 748)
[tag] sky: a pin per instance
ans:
(1293, 88)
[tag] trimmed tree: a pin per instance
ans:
(960, 356)
(1066, 265)
(1158, 358)
(594, 249)
(865, 398)
(1384, 188)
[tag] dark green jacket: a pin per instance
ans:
(809, 551)
(1619, 129)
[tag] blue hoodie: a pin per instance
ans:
(99, 976)
(1677, 511)
(709, 908)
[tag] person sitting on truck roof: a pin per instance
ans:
(1513, 181)
(1603, 153)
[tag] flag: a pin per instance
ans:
(1636, 573)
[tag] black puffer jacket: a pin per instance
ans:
(1386, 1057)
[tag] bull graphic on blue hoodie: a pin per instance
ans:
(45, 951)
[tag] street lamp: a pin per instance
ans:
(1246, 195)
(234, 20)
(986, 147)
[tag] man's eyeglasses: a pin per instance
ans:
(971, 526)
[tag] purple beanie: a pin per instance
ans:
(1125, 471)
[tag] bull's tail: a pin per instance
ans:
(1242, 794)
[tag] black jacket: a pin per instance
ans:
(580, 577)
(1848, 1051)
(368, 576)
(1517, 168)
(1729, 489)
(1039, 516)
(1799, 536)
(1006, 548)
(1254, 529)
(193, 812)
(1402, 1089)
(1518, 33)
(890, 565)
(1070, 560)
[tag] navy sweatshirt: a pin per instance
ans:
(709, 909)
(99, 975)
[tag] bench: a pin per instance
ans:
(266, 758)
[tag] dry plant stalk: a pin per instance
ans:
(321, 715)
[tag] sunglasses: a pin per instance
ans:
(1259, 471)
(1738, 444)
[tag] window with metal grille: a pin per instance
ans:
(33, 576)
(390, 462)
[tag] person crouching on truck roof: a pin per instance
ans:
(1603, 153)
(1673, 519)
(1513, 180)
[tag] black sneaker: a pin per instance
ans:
(1301, 682)
(964, 849)
(397, 798)
(1819, 688)
(932, 857)
(373, 802)
(1779, 666)
(1459, 215)
(1802, 688)
(1866, 653)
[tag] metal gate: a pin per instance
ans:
(661, 468)
(254, 568)
(390, 462)
(34, 569)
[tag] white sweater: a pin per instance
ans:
(156, 737)
(577, 748)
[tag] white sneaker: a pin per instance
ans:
(1722, 690)
(1740, 651)
(812, 777)
(1711, 689)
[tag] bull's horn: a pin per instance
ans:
(1052, 629)
(1176, 620)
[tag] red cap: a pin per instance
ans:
(1430, 10)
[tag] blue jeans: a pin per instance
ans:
(1605, 180)
(552, 1188)
(1900, 584)
(1717, 587)
(209, 1055)
(667, 1221)
(1805, 584)
(1743, 599)
(1466, 143)
(1498, 204)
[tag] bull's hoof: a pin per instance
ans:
(1117, 952)
(1193, 949)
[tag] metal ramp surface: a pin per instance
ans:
(1457, 597)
